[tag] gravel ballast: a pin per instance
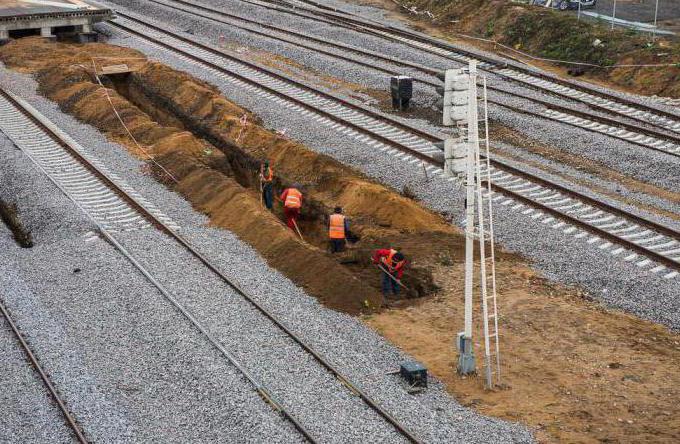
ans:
(148, 407)
(129, 367)
(357, 351)
(606, 283)
(29, 415)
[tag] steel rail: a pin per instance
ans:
(297, 83)
(346, 381)
(675, 234)
(264, 393)
(432, 71)
(71, 421)
(354, 22)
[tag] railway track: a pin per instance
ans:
(90, 192)
(634, 134)
(510, 70)
(53, 393)
(56, 148)
(642, 241)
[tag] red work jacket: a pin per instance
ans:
(385, 257)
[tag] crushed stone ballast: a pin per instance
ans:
(56, 155)
(507, 68)
(44, 377)
(667, 143)
(625, 235)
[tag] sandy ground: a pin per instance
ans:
(576, 372)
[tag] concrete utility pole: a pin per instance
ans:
(613, 15)
(466, 358)
(656, 16)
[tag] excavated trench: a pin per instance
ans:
(200, 138)
(242, 163)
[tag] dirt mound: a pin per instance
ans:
(228, 206)
(187, 127)
(202, 170)
(379, 216)
(326, 180)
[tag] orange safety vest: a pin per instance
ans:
(336, 226)
(269, 177)
(389, 261)
(293, 199)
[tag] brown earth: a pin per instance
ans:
(550, 34)
(11, 218)
(572, 369)
(197, 136)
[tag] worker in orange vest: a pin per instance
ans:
(338, 228)
(392, 264)
(266, 184)
(292, 202)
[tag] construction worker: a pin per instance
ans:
(266, 184)
(338, 228)
(292, 202)
(392, 263)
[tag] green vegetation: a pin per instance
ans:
(557, 35)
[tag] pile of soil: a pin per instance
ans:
(212, 148)
(552, 34)
(10, 217)
(379, 216)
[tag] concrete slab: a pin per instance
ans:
(45, 15)
(18, 8)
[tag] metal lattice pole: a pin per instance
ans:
(474, 142)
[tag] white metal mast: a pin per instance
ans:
(490, 334)
(479, 225)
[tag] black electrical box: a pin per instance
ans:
(414, 373)
(401, 88)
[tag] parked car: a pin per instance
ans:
(563, 5)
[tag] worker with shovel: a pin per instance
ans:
(392, 263)
(292, 203)
(338, 229)
(266, 184)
